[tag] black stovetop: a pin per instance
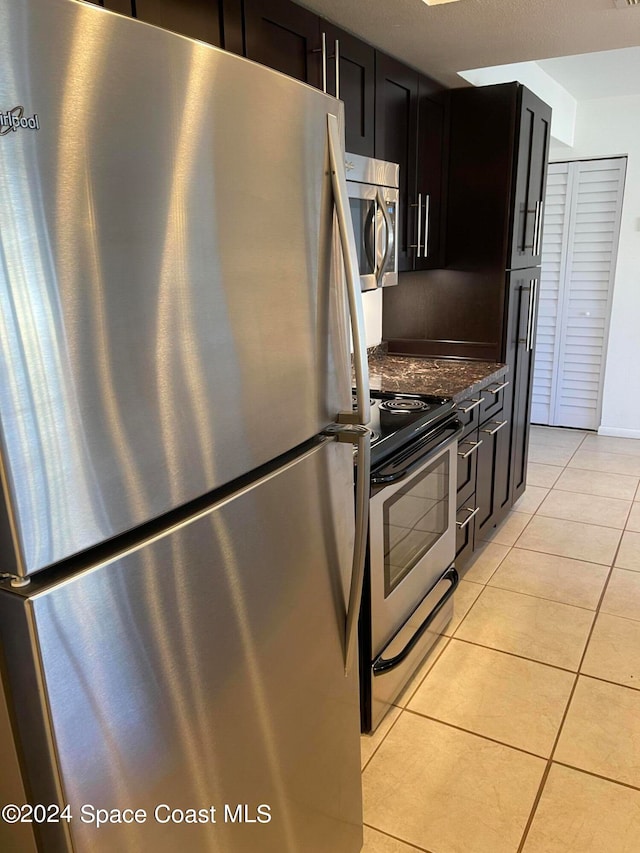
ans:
(397, 419)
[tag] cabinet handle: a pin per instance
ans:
(474, 447)
(534, 292)
(497, 390)
(419, 206)
(535, 228)
(497, 429)
(474, 403)
(324, 63)
(529, 316)
(461, 524)
(538, 238)
(337, 55)
(427, 204)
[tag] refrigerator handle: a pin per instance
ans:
(361, 437)
(347, 238)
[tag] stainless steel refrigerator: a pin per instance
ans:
(181, 552)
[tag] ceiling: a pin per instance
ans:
(444, 39)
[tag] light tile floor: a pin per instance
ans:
(521, 732)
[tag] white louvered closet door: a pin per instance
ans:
(581, 227)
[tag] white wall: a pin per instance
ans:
(610, 127)
(372, 306)
(541, 84)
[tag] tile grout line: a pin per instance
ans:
(634, 788)
(368, 762)
(396, 838)
(450, 725)
(550, 762)
(514, 655)
(422, 680)
(543, 597)
(550, 554)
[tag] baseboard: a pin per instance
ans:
(620, 433)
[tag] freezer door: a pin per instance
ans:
(170, 318)
(205, 669)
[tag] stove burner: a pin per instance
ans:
(354, 402)
(403, 406)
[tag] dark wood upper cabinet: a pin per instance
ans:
(285, 37)
(198, 19)
(430, 168)
(524, 291)
(396, 130)
(499, 145)
(350, 75)
(409, 131)
(122, 6)
(532, 156)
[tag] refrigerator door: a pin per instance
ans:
(170, 313)
(202, 669)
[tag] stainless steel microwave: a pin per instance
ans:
(373, 200)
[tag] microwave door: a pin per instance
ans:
(363, 204)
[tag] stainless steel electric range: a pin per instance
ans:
(410, 578)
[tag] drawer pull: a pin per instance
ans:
(497, 390)
(497, 429)
(474, 446)
(461, 524)
(474, 403)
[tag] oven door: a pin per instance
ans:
(373, 212)
(412, 533)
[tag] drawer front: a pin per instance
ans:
(467, 466)
(493, 399)
(465, 532)
(468, 412)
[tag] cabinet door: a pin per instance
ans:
(465, 532)
(395, 140)
(523, 294)
(198, 19)
(493, 463)
(285, 37)
(429, 168)
(351, 70)
(531, 173)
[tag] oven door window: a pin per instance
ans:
(414, 518)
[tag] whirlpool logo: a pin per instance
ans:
(15, 119)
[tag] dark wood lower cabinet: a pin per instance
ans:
(493, 472)
(465, 533)
(484, 454)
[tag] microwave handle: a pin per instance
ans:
(370, 236)
(362, 415)
(389, 238)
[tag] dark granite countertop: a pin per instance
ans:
(451, 378)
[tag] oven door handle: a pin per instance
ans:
(388, 479)
(380, 665)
